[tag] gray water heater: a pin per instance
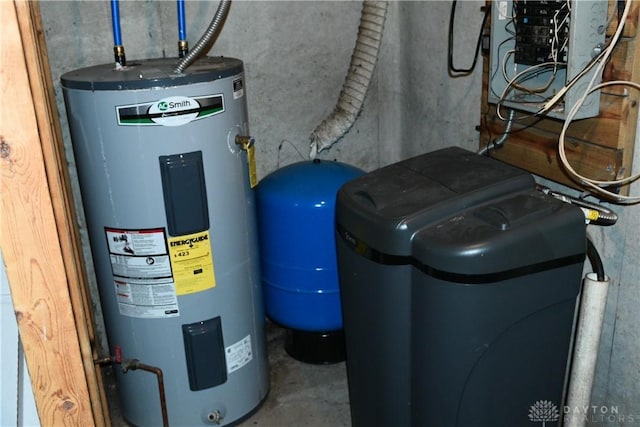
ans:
(168, 198)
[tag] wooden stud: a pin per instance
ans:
(38, 237)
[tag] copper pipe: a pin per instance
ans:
(160, 376)
(133, 364)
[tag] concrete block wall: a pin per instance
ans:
(296, 56)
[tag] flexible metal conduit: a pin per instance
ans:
(595, 213)
(203, 44)
(354, 89)
(499, 142)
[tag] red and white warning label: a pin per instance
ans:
(142, 274)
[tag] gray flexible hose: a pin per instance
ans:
(207, 37)
(354, 89)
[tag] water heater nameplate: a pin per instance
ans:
(238, 88)
(239, 354)
(170, 111)
(192, 263)
(142, 276)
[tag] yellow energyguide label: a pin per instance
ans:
(192, 263)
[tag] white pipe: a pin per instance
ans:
(354, 89)
(590, 320)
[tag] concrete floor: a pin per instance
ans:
(301, 393)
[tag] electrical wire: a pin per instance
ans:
(560, 94)
(499, 142)
(601, 59)
(560, 21)
(533, 95)
(464, 71)
(511, 81)
(595, 260)
(558, 27)
(495, 72)
(524, 127)
(597, 186)
(597, 64)
(510, 86)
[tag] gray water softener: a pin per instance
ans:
(459, 284)
(170, 214)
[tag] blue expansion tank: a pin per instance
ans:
(296, 223)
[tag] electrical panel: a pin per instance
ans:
(539, 47)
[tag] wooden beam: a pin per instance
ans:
(38, 236)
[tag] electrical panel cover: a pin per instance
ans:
(538, 47)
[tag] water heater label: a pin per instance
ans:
(171, 111)
(238, 88)
(192, 263)
(142, 276)
(239, 354)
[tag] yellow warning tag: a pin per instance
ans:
(251, 159)
(192, 263)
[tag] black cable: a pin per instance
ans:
(595, 260)
(452, 68)
(620, 5)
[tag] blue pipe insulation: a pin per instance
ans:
(182, 23)
(115, 21)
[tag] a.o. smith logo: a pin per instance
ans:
(170, 111)
(178, 104)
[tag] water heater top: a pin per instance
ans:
(150, 73)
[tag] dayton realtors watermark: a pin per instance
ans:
(544, 411)
(598, 415)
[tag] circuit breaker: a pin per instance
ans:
(542, 32)
(539, 47)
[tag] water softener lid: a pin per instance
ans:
(385, 208)
(150, 73)
(515, 235)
